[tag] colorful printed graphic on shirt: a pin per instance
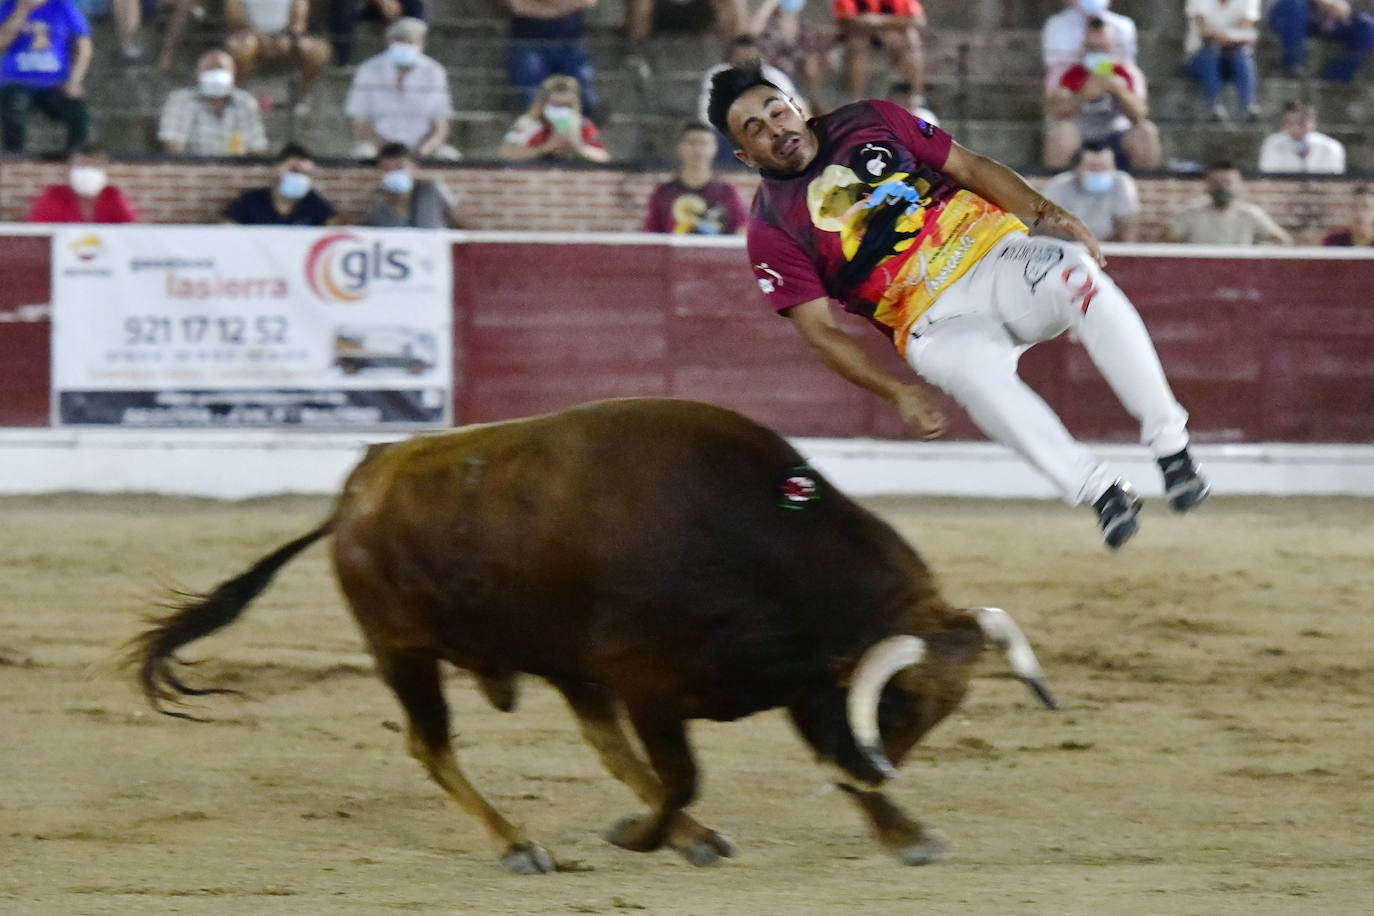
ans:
(693, 215)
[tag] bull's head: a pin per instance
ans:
(886, 658)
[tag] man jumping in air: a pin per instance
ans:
(885, 213)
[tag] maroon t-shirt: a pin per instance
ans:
(810, 235)
(715, 208)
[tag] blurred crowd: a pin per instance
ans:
(1098, 129)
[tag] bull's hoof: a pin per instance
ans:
(528, 859)
(927, 850)
(705, 848)
(635, 833)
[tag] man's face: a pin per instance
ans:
(769, 132)
(394, 164)
(696, 148)
(1298, 124)
(296, 164)
(1098, 40)
(1102, 160)
(215, 60)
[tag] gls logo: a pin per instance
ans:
(342, 267)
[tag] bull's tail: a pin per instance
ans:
(194, 616)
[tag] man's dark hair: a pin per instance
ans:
(743, 41)
(726, 86)
(392, 150)
(94, 150)
(901, 87)
(293, 151)
(1091, 146)
(1220, 165)
(1097, 22)
(693, 125)
(1299, 106)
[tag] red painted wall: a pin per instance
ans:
(1258, 350)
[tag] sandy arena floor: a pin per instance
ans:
(1213, 756)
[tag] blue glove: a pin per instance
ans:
(890, 192)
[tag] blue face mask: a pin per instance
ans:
(791, 6)
(1094, 7)
(1098, 182)
(398, 181)
(404, 54)
(293, 185)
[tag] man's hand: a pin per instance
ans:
(921, 416)
(73, 89)
(1055, 220)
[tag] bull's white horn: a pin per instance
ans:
(1003, 632)
(876, 667)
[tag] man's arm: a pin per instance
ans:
(74, 88)
(1131, 102)
(438, 133)
(10, 28)
(998, 184)
(844, 355)
(1272, 231)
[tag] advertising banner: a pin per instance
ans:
(174, 326)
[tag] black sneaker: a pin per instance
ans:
(1116, 512)
(1184, 485)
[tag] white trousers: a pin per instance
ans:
(1023, 291)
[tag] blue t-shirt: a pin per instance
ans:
(41, 56)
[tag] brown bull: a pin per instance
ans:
(665, 559)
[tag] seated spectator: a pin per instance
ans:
(1061, 38)
(87, 197)
(546, 38)
(645, 17)
(695, 201)
(1299, 148)
(1221, 48)
(554, 127)
(344, 16)
(914, 102)
(794, 45)
(273, 30)
(401, 96)
(1100, 100)
(893, 25)
(291, 201)
(744, 53)
(213, 119)
(47, 48)
(1333, 20)
(401, 199)
(1360, 232)
(1098, 193)
(1223, 218)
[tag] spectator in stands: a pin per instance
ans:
(344, 16)
(291, 201)
(794, 45)
(47, 48)
(1101, 195)
(401, 96)
(695, 201)
(401, 199)
(1221, 48)
(546, 38)
(893, 25)
(902, 94)
(1334, 20)
(554, 127)
(272, 30)
(1223, 218)
(215, 118)
(1061, 38)
(1299, 148)
(644, 17)
(1100, 99)
(87, 197)
(1360, 232)
(744, 53)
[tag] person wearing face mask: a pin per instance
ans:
(401, 199)
(1100, 99)
(87, 197)
(291, 200)
(546, 37)
(1299, 148)
(1222, 217)
(1102, 196)
(554, 127)
(1062, 36)
(215, 118)
(401, 96)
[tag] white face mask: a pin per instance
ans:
(560, 116)
(404, 54)
(87, 180)
(216, 83)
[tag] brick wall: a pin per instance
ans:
(564, 199)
